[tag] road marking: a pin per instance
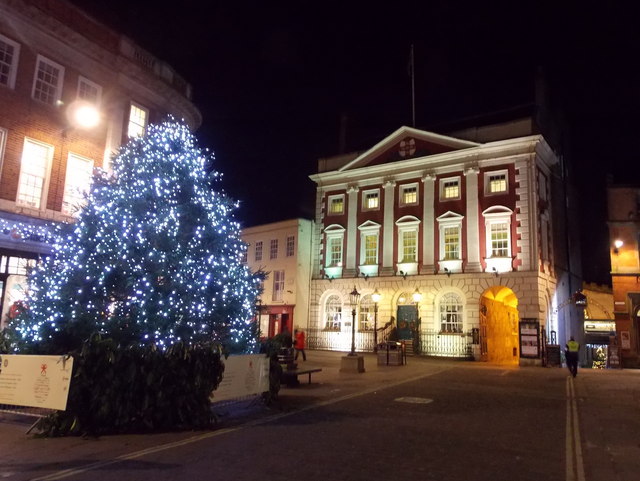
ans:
(414, 400)
(66, 473)
(573, 443)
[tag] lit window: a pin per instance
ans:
(78, 181)
(20, 265)
(278, 285)
(138, 118)
(497, 183)
(333, 313)
(89, 91)
(47, 83)
(291, 245)
(370, 242)
(333, 253)
(371, 200)
(451, 243)
(273, 249)
(9, 52)
(365, 314)
(244, 257)
(258, 251)
(409, 246)
(409, 194)
(34, 168)
(450, 188)
(336, 204)
(499, 239)
(450, 313)
(408, 229)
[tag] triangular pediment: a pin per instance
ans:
(450, 216)
(407, 143)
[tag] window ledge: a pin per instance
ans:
(498, 264)
(452, 265)
(409, 268)
(369, 270)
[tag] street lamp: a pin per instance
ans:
(354, 297)
(376, 298)
(417, 297)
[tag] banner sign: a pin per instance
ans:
(245, 375)
(529, 338)
(35, 381)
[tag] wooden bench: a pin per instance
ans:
(290, 376)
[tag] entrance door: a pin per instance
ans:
(407, 322)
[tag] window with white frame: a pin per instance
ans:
(409, 194)
(34, 171)
(273, 249)
(450, 234)
(371, 199)
(451, 242)
(77, 183)
(408, 229)
(89, 91)
(370, 244)
(278, 285)
(47, 82)
(138, 119)
(258, 251)
(450, 188)
(369, 247)
(450, 311)
(409, 245)
(336, 204)
(244, 257)
(291, 246)
(496, 182)
(333, 313)
(16, 265)
(365, 314)
(334, 235)
(498, 238)
(9, 53)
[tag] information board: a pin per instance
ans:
(244, 375)
(529, 338)
(35, 381)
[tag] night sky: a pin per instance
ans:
(273, 79)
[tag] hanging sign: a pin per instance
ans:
(245, 375)
(529, 338)
(35, 381)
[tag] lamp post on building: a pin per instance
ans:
(354, 297)
(376, 298)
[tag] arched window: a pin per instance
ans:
(365, 316)
(333, 313)
(450, 313)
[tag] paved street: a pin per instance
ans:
(429, 420)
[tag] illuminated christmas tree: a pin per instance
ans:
(154, 257)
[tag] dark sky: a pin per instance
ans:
(273, 79)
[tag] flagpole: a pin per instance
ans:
(413, 89)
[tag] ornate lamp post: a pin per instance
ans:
(375, 297)
(417, 297)
(354, 297)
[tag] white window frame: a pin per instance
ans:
(273, 249)
(333, 234)
(375, 194)
(333, 313)
(73, 199)
(278, 285)
(488, 182)
(450, 304)
(44, 191)
(365, 313)
(3, 143)
(291, 246)
(83, 80)
(446, 221)
(134, 128)
(57, 95)
(367, 230)
(493, 216)
(13, 67)
(443, 188)
(330, 201)
(402, 192)
(404, 225)
(258, 251)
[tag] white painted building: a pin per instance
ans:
(283, 251)
(461, 227)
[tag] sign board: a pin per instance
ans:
(245, 375)
(529, 338)
(35, 381)
(625, 340)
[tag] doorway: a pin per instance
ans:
(499, 319)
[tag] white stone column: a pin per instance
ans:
(114, 135)
(472, 217)
(352, 231)
(428, 224)
(388, 234)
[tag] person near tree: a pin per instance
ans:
(571, 354)
(299, 340)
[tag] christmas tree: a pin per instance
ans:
(154, 257)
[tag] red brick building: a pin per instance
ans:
(71, 92)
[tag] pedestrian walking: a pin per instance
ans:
(298, 343)
(571, 354)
